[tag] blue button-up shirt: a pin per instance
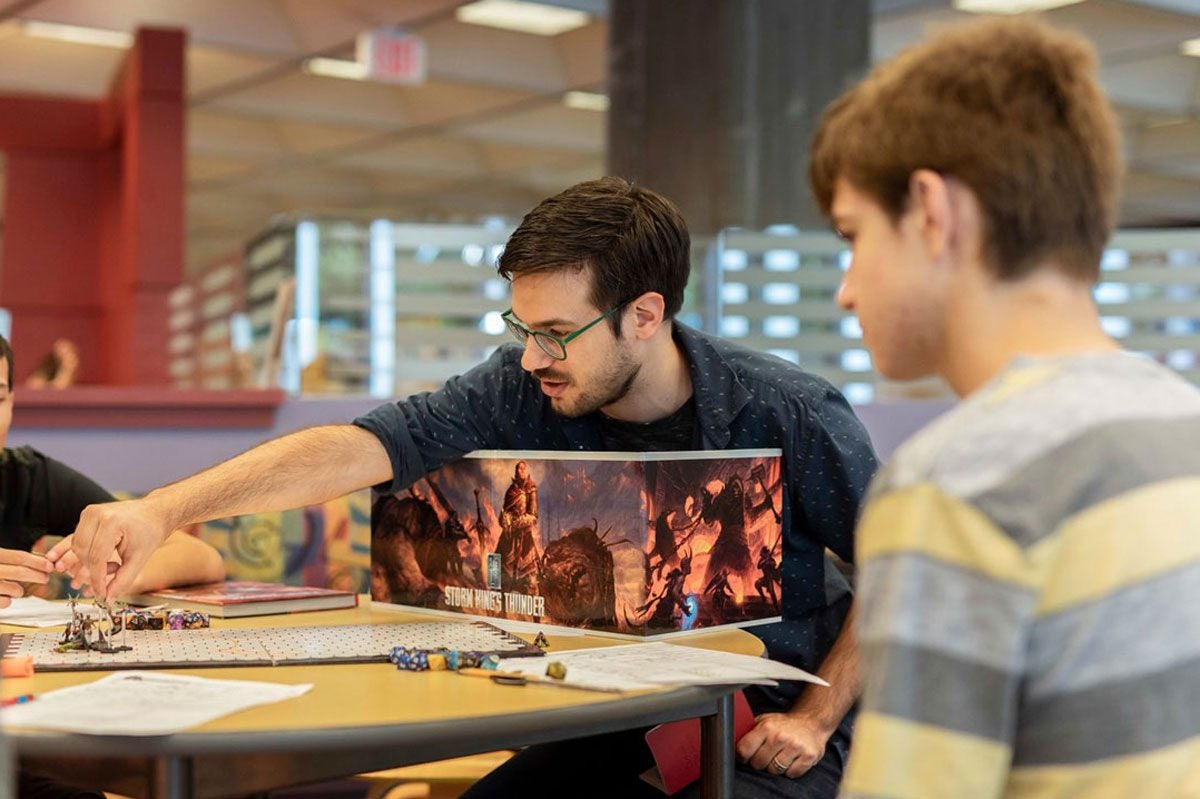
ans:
(744, 399)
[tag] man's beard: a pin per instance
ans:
(609, 386)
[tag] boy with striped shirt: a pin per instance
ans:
(1029, 607)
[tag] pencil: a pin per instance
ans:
(16, 700)
(499, 677)
(510, 678)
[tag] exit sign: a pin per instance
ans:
(392, 55)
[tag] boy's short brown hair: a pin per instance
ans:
(1012, 109)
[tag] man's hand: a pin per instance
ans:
(783, 744)
(64, 560)
(17, 567)
(130, 530)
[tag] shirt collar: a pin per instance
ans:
(718, 393)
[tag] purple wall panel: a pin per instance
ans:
(139, 460)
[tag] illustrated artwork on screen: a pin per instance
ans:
(638, 544)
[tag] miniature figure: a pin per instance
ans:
(85, 634)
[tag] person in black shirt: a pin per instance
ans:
(40, 496)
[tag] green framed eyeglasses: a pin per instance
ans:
(554, 346)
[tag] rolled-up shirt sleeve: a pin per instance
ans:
(471, 411)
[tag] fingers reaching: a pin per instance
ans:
(125, 532)
(68, 563)
(120, 579)
(10, 590)
(93, 542)
(19, 566)
(82, 580)
(58, 551)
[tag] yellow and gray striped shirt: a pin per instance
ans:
(1029, 604)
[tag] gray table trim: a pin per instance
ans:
(213, 763)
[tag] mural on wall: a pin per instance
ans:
(327, 546)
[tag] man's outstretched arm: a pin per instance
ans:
(303, 468)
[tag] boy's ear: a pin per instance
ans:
(930, 198)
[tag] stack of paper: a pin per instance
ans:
(653, 665)
(32, 611)
(143, 703)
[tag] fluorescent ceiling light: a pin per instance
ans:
(336, 68)
(1191, 47)
(519, 15)
(586, 101)
(76, 34)
(1010, 6)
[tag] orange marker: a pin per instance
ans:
(17, 667)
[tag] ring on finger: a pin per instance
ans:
(777, 767)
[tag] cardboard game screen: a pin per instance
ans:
(631, 543)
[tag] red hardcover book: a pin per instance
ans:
(231, 599)
(676, 748)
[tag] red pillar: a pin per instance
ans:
(94, 217)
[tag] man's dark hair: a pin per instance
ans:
(630, 239)
(7, 354)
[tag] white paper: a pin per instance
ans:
(32, 611)
(143, 703)
(653, 665)
(532, 627)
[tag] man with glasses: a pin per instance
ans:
(598, 274)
